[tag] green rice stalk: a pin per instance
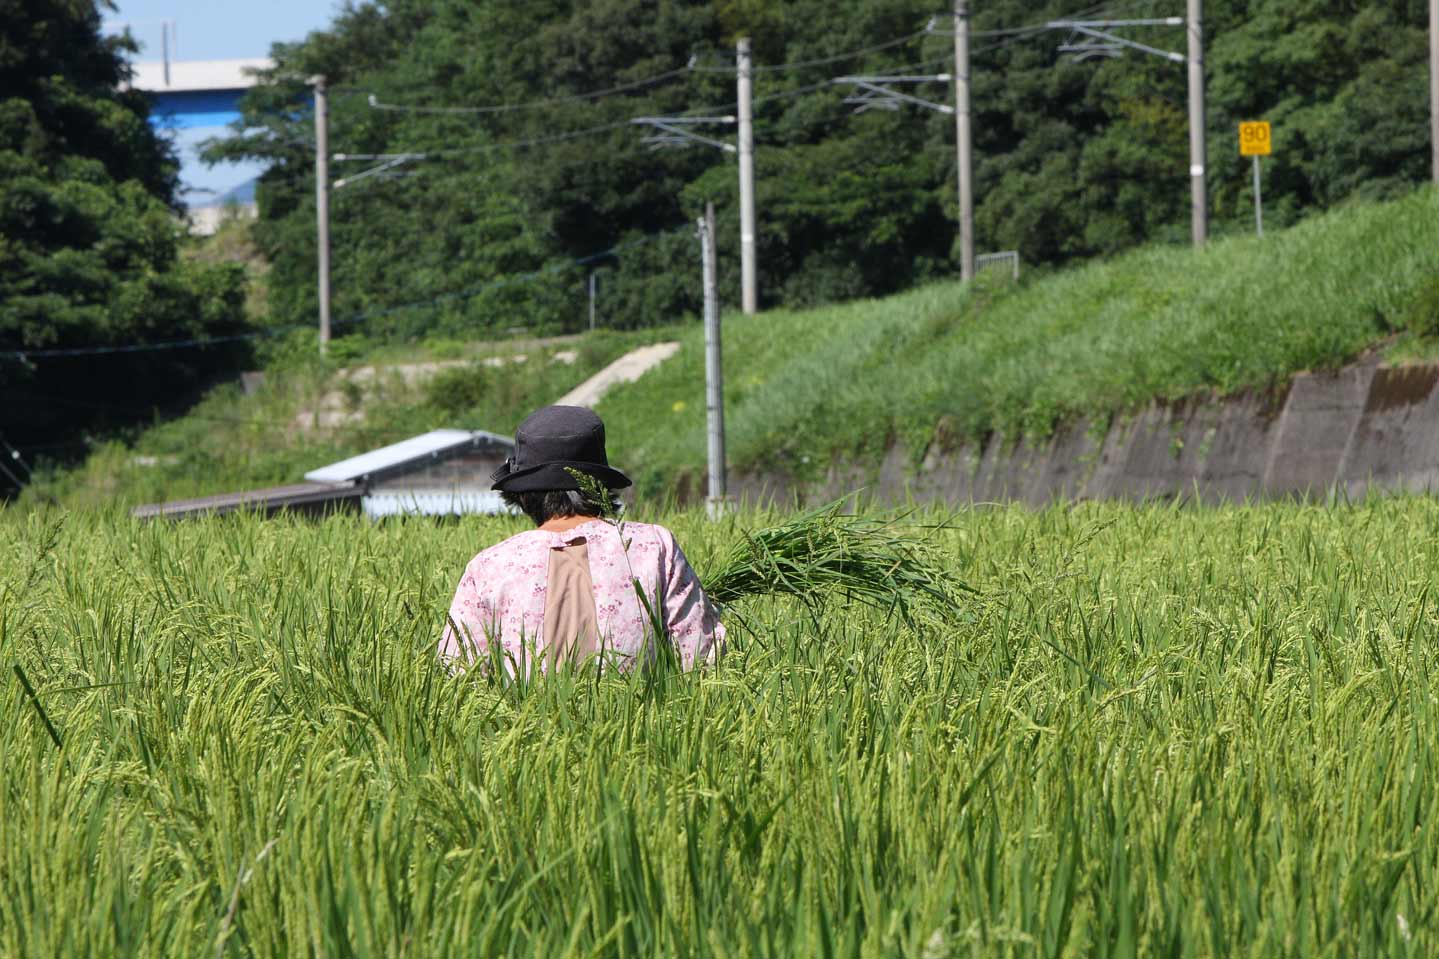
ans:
(876, 560)
(35, 701)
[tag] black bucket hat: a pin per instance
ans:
(551, 441)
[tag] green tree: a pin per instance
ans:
(88, 235)
(1072, 159)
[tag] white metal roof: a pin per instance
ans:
(192, 75)
(413, 450)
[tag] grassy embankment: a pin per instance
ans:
(1155, 732)
(947, 363)
(308, 413)
(943, 363)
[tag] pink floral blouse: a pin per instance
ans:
(501, 597)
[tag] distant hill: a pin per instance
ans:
(242, 195)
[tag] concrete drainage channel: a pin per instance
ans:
(1362, 428)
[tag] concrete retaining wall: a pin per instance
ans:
(1363, 427)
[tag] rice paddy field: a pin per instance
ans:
(1148, 731)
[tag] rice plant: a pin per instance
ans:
(1154, 731)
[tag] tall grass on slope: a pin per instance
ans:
(952, 361)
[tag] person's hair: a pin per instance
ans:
(547, 504)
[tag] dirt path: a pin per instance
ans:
(343, 405)
(626, 369)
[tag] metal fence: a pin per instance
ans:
(988, 260)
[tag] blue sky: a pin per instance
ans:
(219, 29)
(215, 30)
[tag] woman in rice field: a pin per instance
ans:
(570, 589)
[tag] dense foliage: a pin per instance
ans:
(1073, 159)
(1154, 732)
(88, 236)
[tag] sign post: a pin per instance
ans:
(1255, 142)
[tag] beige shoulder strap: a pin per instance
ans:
(571, 626)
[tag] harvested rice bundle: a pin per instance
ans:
(876, 560)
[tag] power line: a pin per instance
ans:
(534, 104)
(1042, 26)
(201, 342)
(822, 61)
(622, 124)
(511, 144)
(23, 355)
(900, 41)
(192, 414)
(829, 83)
(1012, 34)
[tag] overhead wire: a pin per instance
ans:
(658, 78)
(1010, 36)
(819, 61)
(360, 317)
(521, 144)
(203, 417)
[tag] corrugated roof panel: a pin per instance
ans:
(265, 500)
(432, 502)
(415, 450)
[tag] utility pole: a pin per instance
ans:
(1434, 84)
(1199, 208)
(592, 301)
(714, 369)
(1258, 201)
(322, 204)
(165, 49)
(749, 292)
(962, 139)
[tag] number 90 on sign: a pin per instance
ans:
(1254, 139)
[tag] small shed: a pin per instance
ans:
(439, 473)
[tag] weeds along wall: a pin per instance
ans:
(1364, 428)
(1209, 732)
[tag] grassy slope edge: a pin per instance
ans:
(232, 441)
(944, 362)
(950, 362)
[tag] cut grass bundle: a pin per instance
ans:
(875, 560)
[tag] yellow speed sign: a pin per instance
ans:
(1254, 139)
